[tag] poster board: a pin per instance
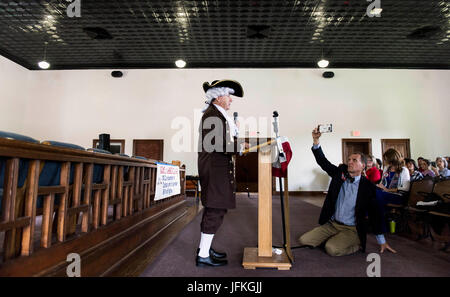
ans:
(167, 181)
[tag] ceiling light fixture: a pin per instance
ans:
(180, 63)
(323, 63)
(376, 11)
(44, 64)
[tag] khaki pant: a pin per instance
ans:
(340, 240)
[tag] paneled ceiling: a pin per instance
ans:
(153, 34)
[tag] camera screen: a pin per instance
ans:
(326, 128)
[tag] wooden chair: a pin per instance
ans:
(441, 215)
(414, 215)
(192, 183)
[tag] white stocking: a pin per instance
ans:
(205, 244)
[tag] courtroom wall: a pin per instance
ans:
(78, 105)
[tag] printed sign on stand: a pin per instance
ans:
(167, 181)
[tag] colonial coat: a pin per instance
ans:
(215, 162)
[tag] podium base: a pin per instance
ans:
(252, 260)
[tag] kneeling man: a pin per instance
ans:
(350, 199)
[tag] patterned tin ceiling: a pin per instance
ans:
(89, 34)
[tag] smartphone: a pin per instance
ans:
(326, 128)
(433, 164)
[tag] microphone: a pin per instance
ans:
(281, 156)
(235, 116)
(275, 123)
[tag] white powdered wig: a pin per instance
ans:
(214, 93)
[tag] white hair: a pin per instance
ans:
(443, 160)
(214, 93)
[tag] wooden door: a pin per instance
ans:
(401, 145)
(149, 148)
(351, 145)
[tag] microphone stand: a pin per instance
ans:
(282, 157)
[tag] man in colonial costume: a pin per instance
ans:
(217, 145)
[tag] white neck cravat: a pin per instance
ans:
(233, 128)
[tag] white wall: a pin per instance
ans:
(76, 106)
(14, 80)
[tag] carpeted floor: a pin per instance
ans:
(239, 230)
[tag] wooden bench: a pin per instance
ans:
(130, 195)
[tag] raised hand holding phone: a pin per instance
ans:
(316, 135)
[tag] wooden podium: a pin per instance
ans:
(262, 256)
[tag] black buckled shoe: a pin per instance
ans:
(210, 261)
(215, 254)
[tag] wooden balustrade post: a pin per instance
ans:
(96, 210)
(88, 175)
(118, 207)
(105, 194)
(140, 203)
(126, 198)
(63, 203)
(30, 207)
(144, 184)
(9, 205)
(153, 186)
(47, 220)
(132, 189)
(76, 197)
(113, 188)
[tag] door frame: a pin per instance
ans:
(407, 141)
(161, 144)
(350, 140)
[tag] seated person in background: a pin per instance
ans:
(379, 165)
(372, 172)
(419, 160)
(441, 167)
(448, 162)
(424, 168)
(394, 183)
(350, 198)
(414, 173)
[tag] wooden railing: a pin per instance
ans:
(78, 204)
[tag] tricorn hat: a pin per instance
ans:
(238, 91)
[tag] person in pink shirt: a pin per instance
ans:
(424, 164)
